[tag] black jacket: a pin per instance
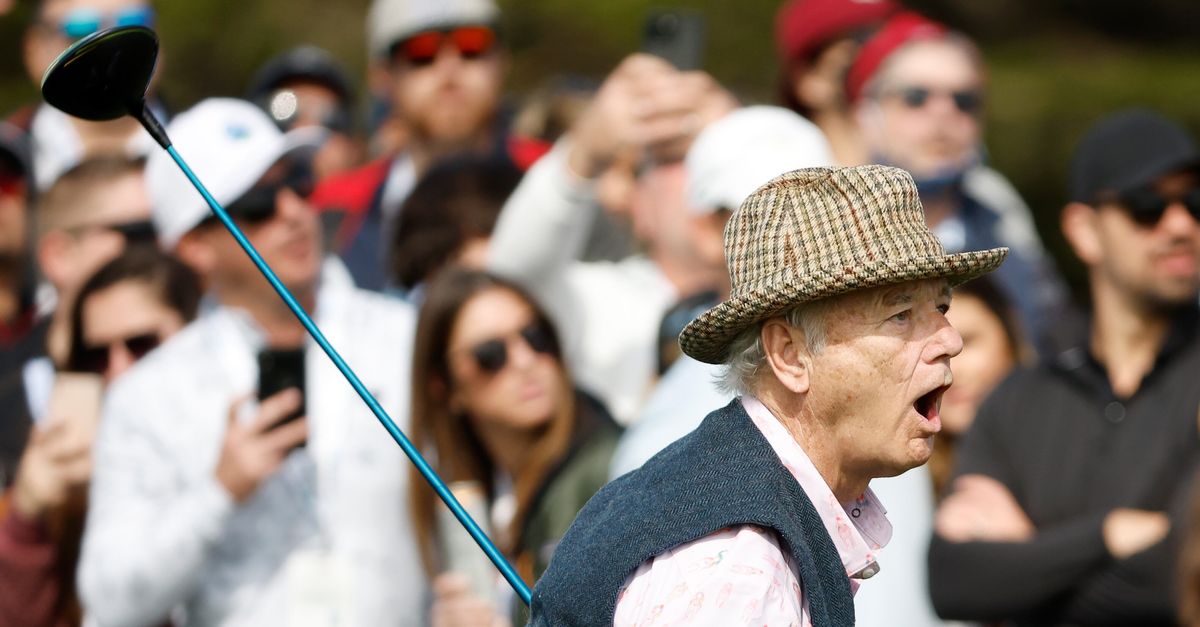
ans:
(1071, 451)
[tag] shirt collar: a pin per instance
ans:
(858, 529)
(1077, 358)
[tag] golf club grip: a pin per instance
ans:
(493, 553)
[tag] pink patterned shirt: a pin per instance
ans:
(741, 575)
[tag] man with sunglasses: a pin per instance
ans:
(439, 66)
(307, 87)
(916, 90)
(61, 141)
(209, 500)
(1073, 486)
(85, 219)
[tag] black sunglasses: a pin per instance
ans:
(95, 359)
(257, 205)
(968, 101)
(136, 232)
(492, 355)
(1146, 206)
(139, 232)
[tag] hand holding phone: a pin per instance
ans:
(253, 449)
(57, 463)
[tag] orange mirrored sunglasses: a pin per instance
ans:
(470, 41)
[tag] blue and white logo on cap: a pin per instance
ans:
(237, 132)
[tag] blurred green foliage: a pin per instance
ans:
(1055, 66)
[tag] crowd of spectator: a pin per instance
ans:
(509, 283)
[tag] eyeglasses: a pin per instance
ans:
(257, 205)
(83, 22)
(492, 355)
(1146, 206)
(422, 48)
(96, 359)
(135, 232)
(968, 101)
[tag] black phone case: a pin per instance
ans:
(677, 36)
(279, 370)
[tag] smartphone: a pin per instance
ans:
(278, 370)
(460, 553)
(76, 398)
(677, 36)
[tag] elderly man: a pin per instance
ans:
(836, 338)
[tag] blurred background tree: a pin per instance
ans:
(1055, 65)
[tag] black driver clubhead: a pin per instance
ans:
(105, 75)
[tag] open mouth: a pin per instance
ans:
(929, 404)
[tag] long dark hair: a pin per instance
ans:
(173, 284)
(457, 448)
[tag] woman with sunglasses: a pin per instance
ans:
(494, 405)
(125, 310)
(130, 306)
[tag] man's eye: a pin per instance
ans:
(903, 316)
(944, 309)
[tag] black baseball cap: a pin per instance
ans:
(303, 63)
(1127, 150)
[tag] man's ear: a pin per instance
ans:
(1079, 226)
(194, 250)
(54, 256)
(787, 353)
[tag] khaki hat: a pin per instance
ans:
(819, 232)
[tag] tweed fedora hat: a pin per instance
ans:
(819, 232)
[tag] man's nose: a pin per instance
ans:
(946, 342)
(289, 204)
(1178, 219)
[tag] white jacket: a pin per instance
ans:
(164, 538)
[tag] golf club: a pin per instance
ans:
(104, 76)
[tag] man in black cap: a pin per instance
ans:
(306, 87)
(1071, 493)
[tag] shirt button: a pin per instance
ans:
(1114, 412)
(855, 513)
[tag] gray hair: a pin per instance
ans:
(747, 357)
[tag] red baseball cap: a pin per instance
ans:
(803, 26)
(899, 30)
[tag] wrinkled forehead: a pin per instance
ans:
(890, 296)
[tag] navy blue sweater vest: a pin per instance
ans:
(723, 474)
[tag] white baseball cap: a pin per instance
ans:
(229, 144)
(389, 21)
(736, 154)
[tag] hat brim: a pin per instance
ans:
(707, 338)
